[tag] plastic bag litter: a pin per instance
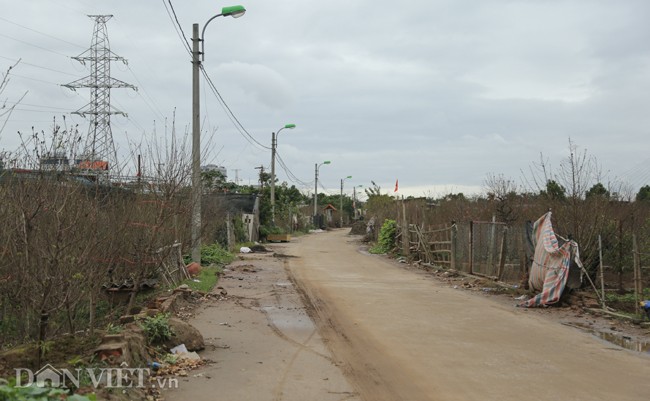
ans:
(179, 349)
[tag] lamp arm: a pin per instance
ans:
(202, 38)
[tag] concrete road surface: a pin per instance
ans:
(399, 335)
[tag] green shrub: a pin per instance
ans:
(157, 328)
(387, 236)
(34, 393)
(215, 254)
(212, 254)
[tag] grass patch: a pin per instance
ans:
(207, 279)
(627, 297)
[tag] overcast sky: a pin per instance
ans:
(437, 94)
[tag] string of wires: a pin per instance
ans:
(177, 25)
(292, 177)
(231, 116)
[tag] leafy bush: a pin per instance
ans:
(212, 254)
(157, 328)
(387, 236)
(34, 393)
(216, 254)
(266, 230)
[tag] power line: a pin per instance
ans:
(34, 79)
(230, 113)
(37, 66)
(41, 33)
(177, 26)
(33, 45)
(292, 177)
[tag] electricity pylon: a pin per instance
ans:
(99, 152)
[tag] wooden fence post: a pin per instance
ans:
(502, 253)
(602, 271)
(637, 274)
(454, 238)
(406, 240)
(471, 248)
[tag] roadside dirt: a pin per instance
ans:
(400, 335)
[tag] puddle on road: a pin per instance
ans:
(615, 338)
(288, 321)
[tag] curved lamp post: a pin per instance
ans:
(235, 12)
(316, 186)
(341, 210)
(274, 144)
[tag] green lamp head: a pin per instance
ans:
(233, 11)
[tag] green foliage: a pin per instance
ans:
(212, 254)
(627, 297)
(207, 279)
(170, 359)
(112, 328)
(387, 236)
(157, 328)
(597, 190)
(554, 191)
(34, 393)
(643, 194)
(239, 229)
(215, 254)
(266, 230)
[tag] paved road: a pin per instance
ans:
(400, 335)
(262, 344)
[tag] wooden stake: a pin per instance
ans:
(602, 274)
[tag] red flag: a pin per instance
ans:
(396, 185)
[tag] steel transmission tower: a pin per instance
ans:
(99, 152)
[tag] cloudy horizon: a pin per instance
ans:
(437, 94)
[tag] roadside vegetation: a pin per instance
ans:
(585, 204)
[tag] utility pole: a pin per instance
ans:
(315, 190)
(261, 169)
(196, 147)
(341, 199)
(316, 167)
(273, 145)
(237, 175)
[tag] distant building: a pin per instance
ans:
(214, 167)
(56, 161)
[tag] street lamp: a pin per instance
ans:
(235, 12)
(274, 144)
(341, 211)
(316, 187)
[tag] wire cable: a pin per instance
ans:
(37, 66)
(177, 25)
(42, 33)
(242, 130)
(33, 45)
(292, 177)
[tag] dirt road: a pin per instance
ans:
(399, 335)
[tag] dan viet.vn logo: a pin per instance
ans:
(122, 377)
